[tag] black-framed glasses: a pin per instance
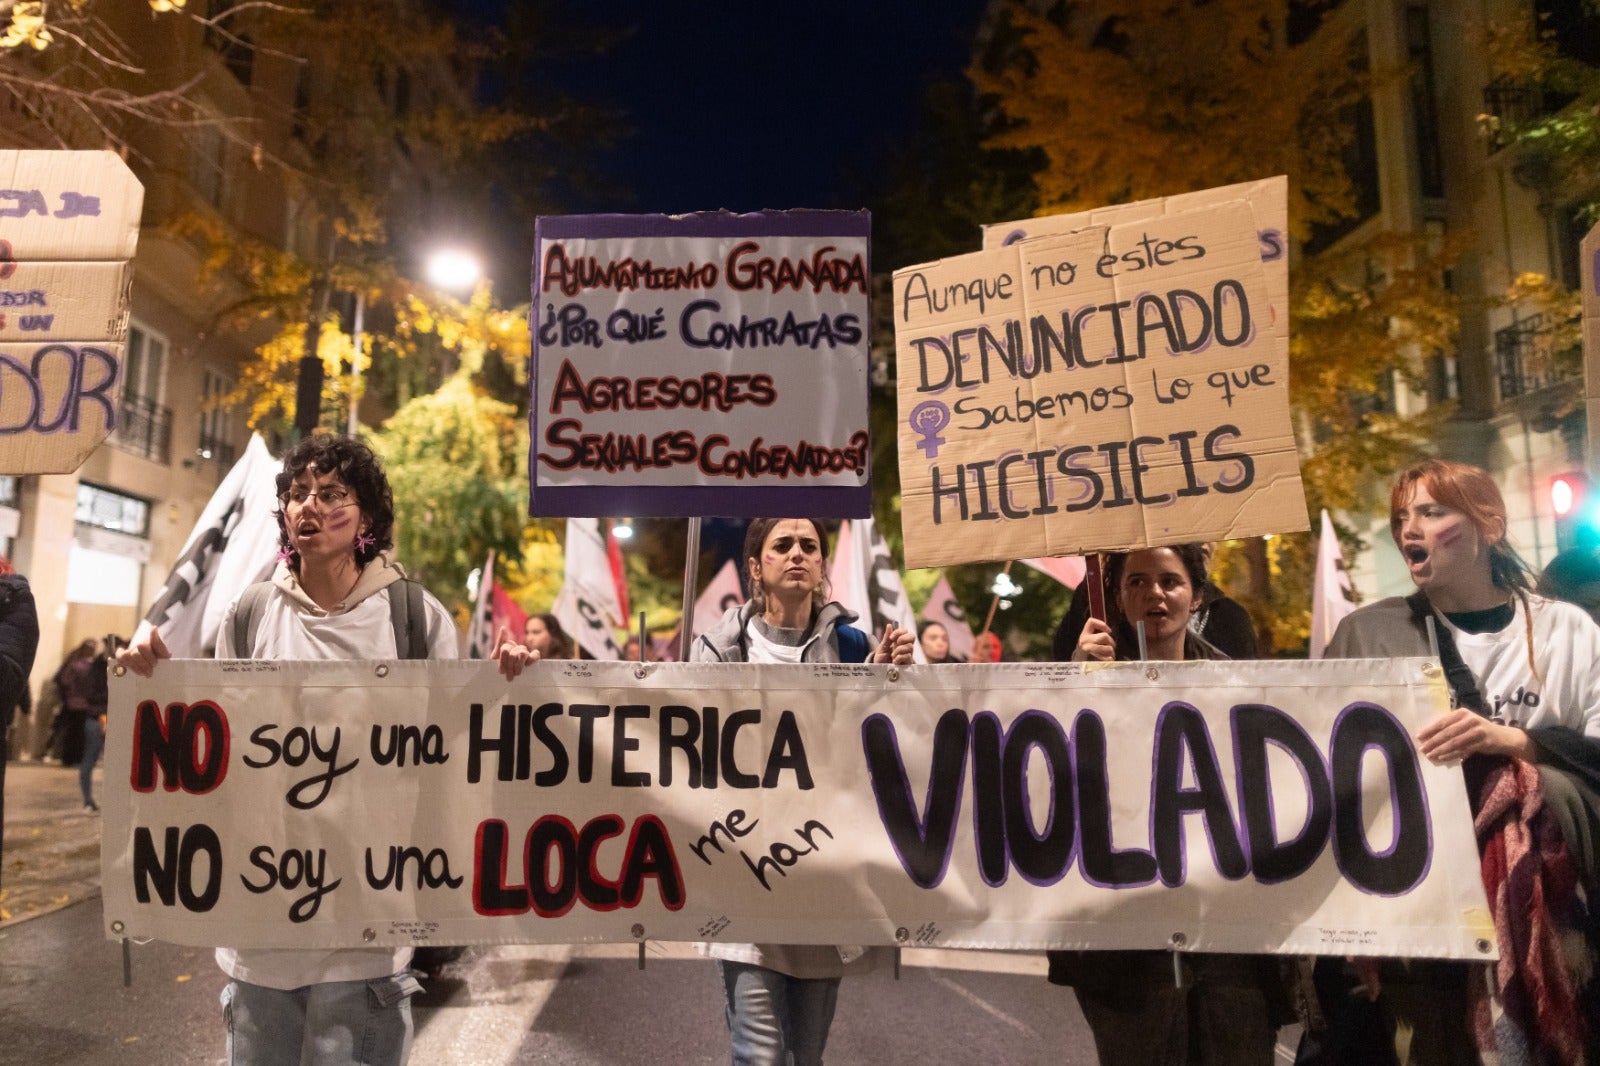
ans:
(330, 496)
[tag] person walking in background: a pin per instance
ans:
(94, 720)
(935, 640)
(336, 594)
(19, 640)
(543, 634)
(45, 711)
(986, 647)
(1574, 576)
(781, 998)
(74, 682)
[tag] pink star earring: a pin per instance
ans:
(285, 555)
(364, 541)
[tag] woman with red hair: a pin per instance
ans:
(1524, 675)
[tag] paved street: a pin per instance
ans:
(64, 1003)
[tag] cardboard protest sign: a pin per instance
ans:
(704, 364)
(69, 222)
(1113, 387)
(1589, 273)
(1251, 807)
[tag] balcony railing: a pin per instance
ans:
(144, 428)
(1508, 103)
(1523, 358)
(218, 451)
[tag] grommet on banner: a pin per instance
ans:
(119, 670)
(382, 670)
(369, 935)
(894, 673)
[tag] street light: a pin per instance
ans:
(453, 270)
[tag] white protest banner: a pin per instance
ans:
(1251, 807)
(234, 544)
(864, 580)
(481, 630)
(1113, 387)
(703, 364)
(723, 592)
(587, 606)
(1332, 596)
(69, 222)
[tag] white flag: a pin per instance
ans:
(945, 609)
(480, 634)
(865, 580)
(1332, 596)
(233, 545)
(587, 606)
(723, 592)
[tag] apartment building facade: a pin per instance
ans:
(97, 544)
(1430, 158)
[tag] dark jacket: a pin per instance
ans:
(19, 640)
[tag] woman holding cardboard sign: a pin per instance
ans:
(781, 997)
(1219, 1009)
(1524, 676)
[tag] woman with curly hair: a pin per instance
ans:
(336, 594)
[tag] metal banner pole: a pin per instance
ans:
(691, 575)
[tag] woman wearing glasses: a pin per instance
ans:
(331, 597)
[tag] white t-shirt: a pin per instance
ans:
(1566, 689)
(291, 630)
(763, 650)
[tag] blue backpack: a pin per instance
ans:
(853, 644)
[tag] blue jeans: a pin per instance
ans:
(338, 1023)
(775, 1019)
(94, 742)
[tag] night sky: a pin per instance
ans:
(745, 104)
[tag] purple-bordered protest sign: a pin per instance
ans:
(703, 364)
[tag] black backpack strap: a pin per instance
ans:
(409, 616)
(247, 618)
(1463, 686)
